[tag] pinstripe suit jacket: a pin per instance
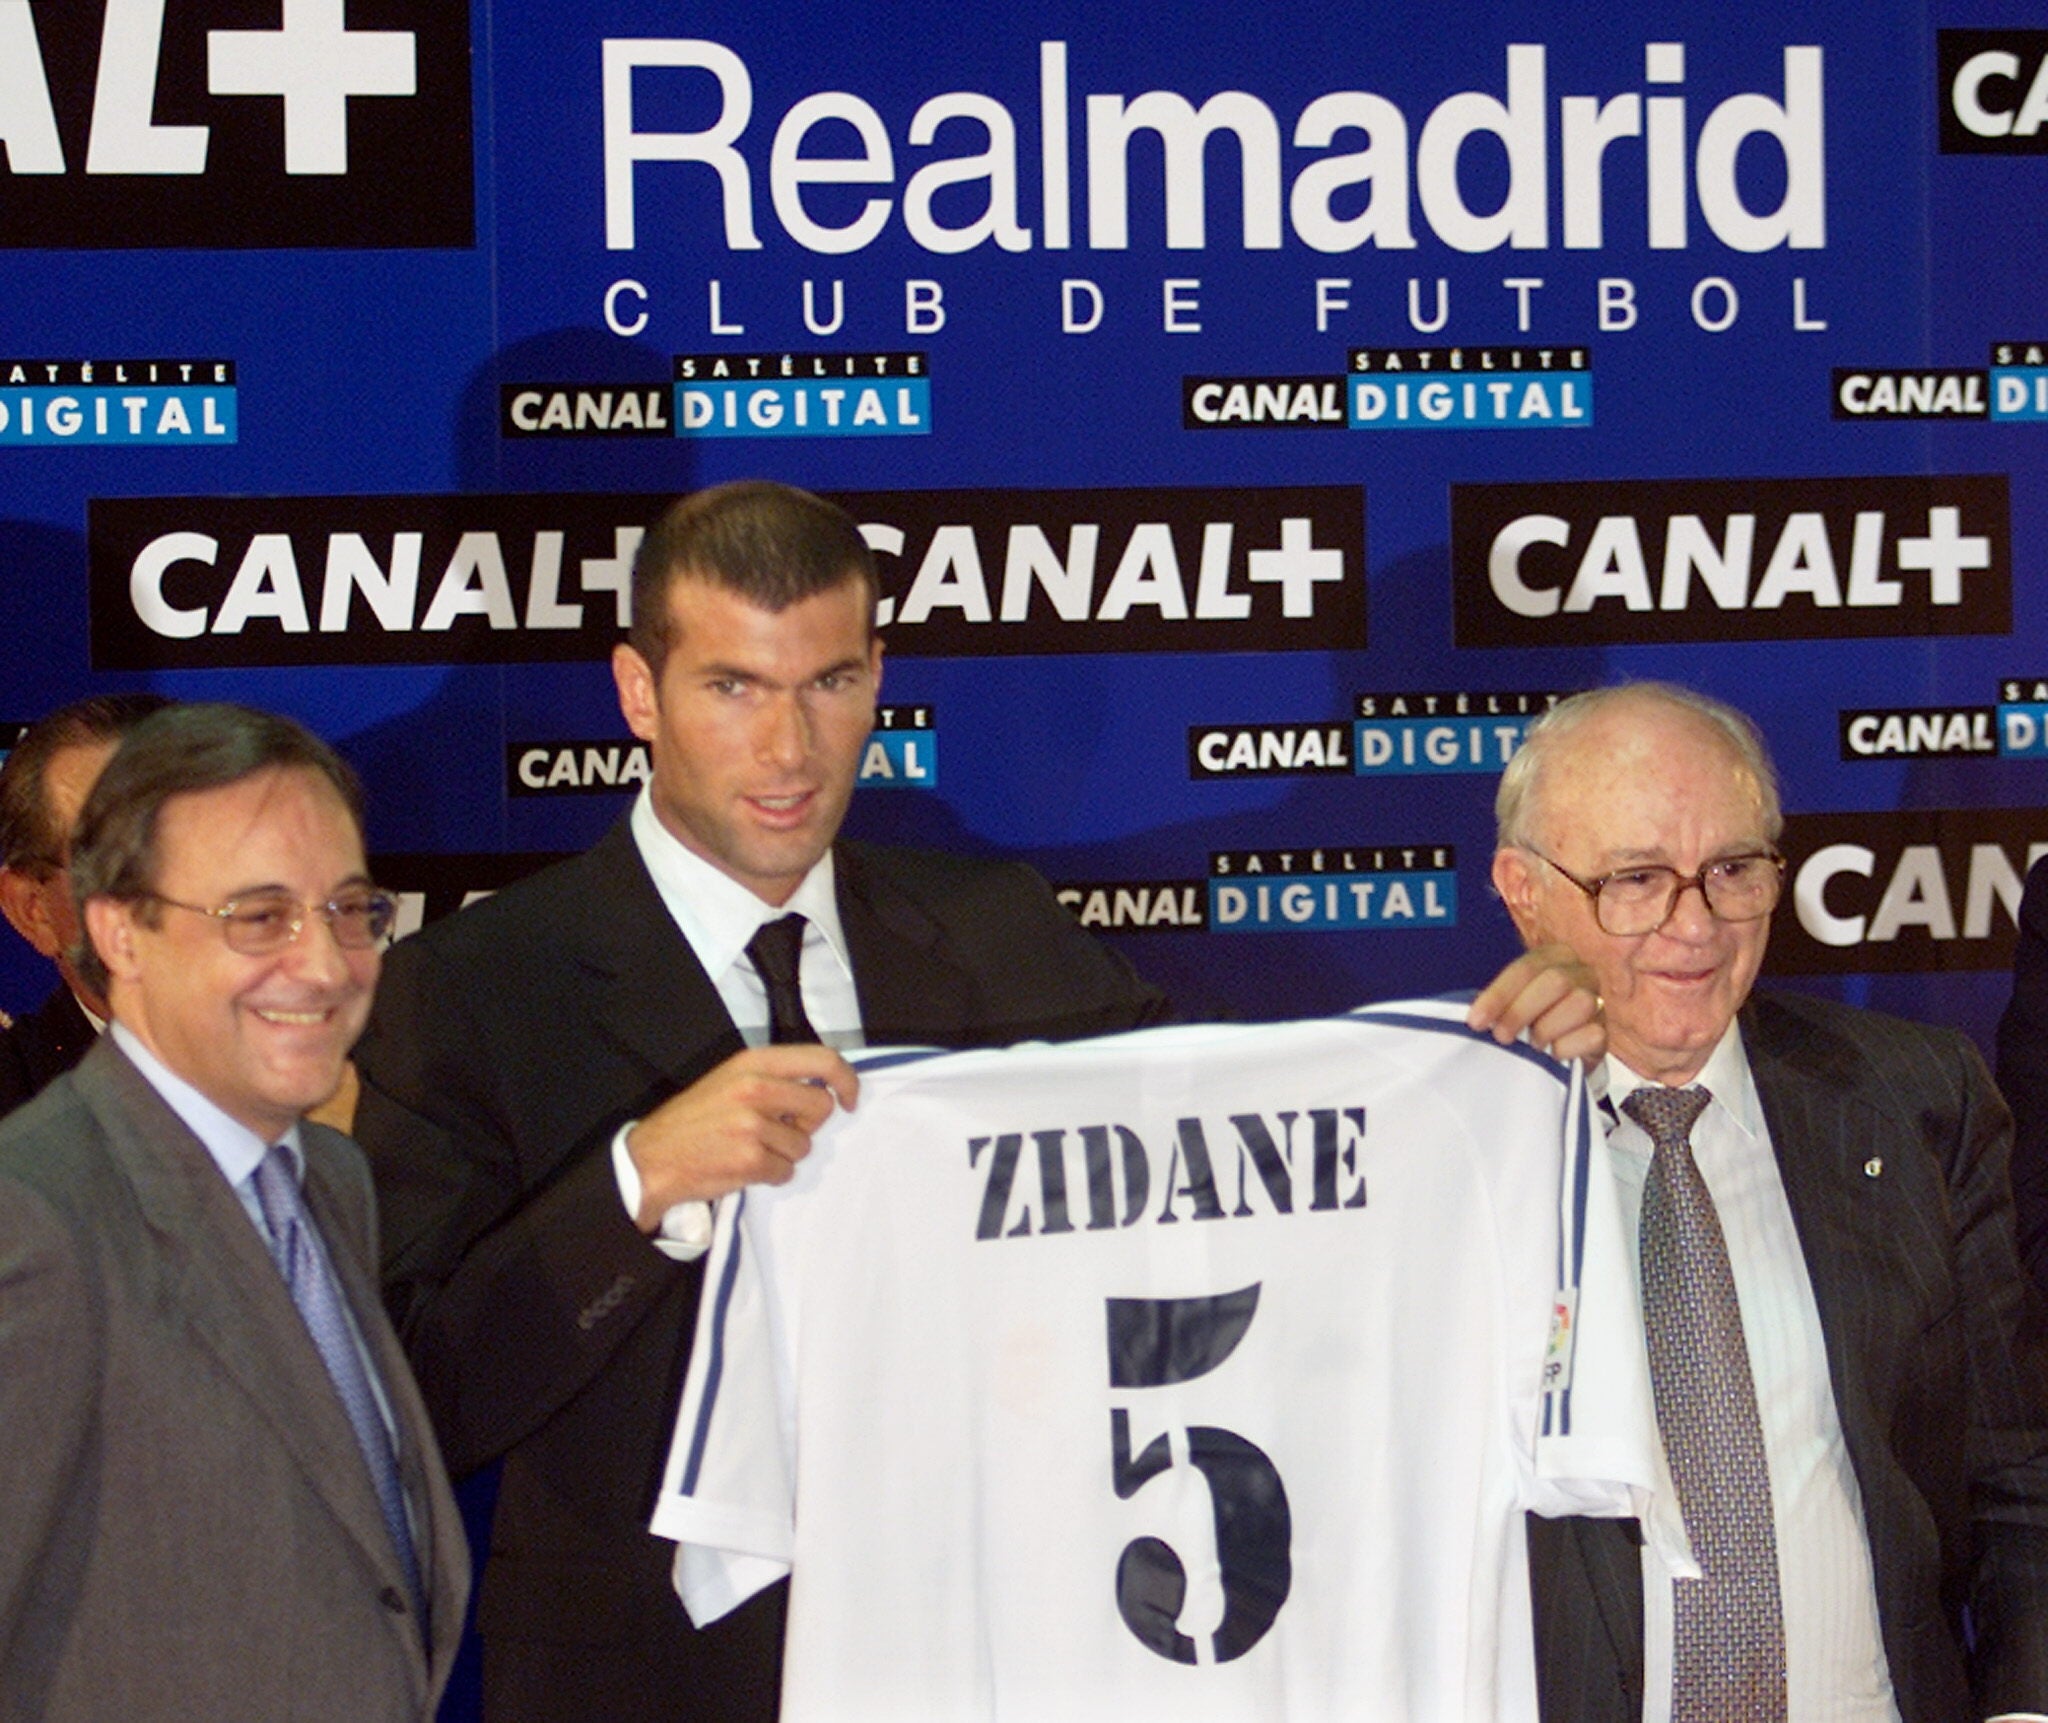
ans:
(1937, 1354)
(187, 1529)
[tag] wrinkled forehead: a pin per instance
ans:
(1639, 773)
(285, 825)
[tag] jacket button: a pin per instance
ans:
(392, 1599)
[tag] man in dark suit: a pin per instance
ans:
(1848, 1361)
(42, 786)
(2023, 1072)
(222, 1496)
(557, 1080)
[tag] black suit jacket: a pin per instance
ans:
(1893, 1149)
(2023, 1073)
(37, 1049)
(507, 1046)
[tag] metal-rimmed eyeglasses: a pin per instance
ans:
(1638, 900)
(261, 922)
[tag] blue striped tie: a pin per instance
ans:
(320, 1304)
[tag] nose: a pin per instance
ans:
(316, 956)
(1690, 918)
(784, 736)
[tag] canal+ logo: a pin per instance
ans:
(148, 125)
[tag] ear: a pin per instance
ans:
(111, 928)
(639, 699)
(26, 903)
(875, 661)
(1516, 882)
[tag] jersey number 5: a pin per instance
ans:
(1155, 1343)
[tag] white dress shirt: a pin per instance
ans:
(717, 917)
(1834, 1649)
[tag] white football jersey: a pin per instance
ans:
(1194, 1373)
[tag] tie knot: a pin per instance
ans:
(277, 1193)
(777, 947)
(1667, 1114)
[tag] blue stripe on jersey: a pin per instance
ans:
(1442, 1026)
(889, 1058)
(716, 1368)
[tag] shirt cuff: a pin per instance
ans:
(685, 1230)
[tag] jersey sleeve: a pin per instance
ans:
(728, 1489)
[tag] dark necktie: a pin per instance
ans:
(776, 948)
(319, 1300)
(1728, 1663)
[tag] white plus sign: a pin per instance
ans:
(1945, 552)
(315, 62)
(1297, 565)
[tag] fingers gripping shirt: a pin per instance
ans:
(1188, 1374)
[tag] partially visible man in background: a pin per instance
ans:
(43, 784)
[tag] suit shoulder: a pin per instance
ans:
(940, 874)
(527, 909)
(52, 1144)
(1871, 1051)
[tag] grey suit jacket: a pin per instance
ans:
(507, 1046)
(187, 1529)
(1893, 1147)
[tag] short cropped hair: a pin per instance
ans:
(184, 749)
(1521, 784)
(771, 543)
(30, 842)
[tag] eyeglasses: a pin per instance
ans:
(268, 921)
(1640, 900)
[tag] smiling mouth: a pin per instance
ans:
(294, 1019)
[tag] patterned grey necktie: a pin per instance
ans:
(319, 1300)
(1729, 1649)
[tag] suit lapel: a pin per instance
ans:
(648, 991)
(217, 1274)
(1824, 1128)
(909, 989)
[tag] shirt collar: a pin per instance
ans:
(236, 1149)
(714, 912)
(1725, 1076)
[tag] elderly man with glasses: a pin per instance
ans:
(1848, 1364)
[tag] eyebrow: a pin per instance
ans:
(276, 888)
(740, 673)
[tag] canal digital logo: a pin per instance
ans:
(902, 753)
(1320, 889)
(2012, 388)
(54, 402)
(2015, 728)
(1388, 735)
(1406, 389)
(736, 395)
(1333, 888)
